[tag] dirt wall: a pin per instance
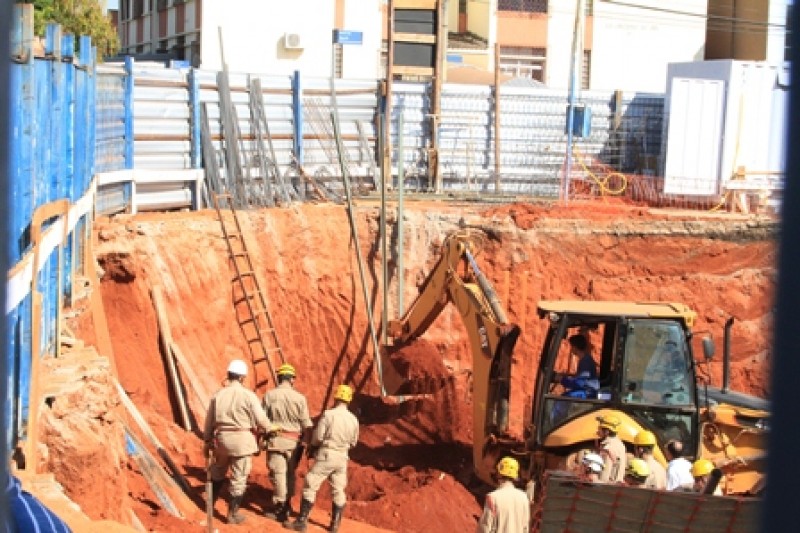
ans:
(721, 266)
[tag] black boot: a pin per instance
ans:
(216, 490)
(233, 510)
(279, 512)
(336, 518)
(301, 523)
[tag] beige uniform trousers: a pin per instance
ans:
(288, 409)
(329, 464)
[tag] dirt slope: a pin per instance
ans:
(411, 470)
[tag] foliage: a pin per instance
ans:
(78, 17)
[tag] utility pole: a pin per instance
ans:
(574, 86)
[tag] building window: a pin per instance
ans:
(523, 62)
(138, 8)
(523, 6)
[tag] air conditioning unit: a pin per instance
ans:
(292, 41)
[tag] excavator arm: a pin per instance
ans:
(457, 279)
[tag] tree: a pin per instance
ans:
(78, 17)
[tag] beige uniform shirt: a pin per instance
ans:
(337, 430)
(615, 460)
(658, 474)
(506, 510)
(234, 413)
(287, 409)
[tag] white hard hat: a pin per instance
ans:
(593, 461)
(238, 367)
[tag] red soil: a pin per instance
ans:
(412, 468)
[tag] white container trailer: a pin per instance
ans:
(726, 127)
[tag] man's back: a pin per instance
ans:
(658, 475)
(679, 474)
(338, 429)
(287, 408)
(506, 510)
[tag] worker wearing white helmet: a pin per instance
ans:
(335, 434)
(234, 417)
(506, 509)
(288, 409)
(592, 466)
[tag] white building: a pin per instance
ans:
(263, 36)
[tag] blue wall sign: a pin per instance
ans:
(348, 37)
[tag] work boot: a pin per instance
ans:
(336, 518)
(233, 510)
(216, 490)
(279, 512)
(301, 522)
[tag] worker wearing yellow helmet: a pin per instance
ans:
(636, 473)
(702, 470)
(335, 434)
(506, 508)
(643, 445)
(234, 415)
(611, 449)
(288, 410)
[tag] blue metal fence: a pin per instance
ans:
(51, 161)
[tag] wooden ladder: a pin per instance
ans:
(253, 316)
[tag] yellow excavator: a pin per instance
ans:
(647, 376)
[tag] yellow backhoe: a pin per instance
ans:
(648, 376)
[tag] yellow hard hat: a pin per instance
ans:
(344, 393)
(637, 469)
(702, 467)
(286, 370)
(609, 422)
(644, 438)
(508, 467)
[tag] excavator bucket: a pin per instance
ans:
(414, 368)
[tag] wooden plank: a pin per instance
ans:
(201, 394)
(166, 341)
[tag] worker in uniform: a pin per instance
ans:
(335, 434)
(611, 449)
(590, 467)
(233, 420)
(643, 445)
(288, 410)
(701, 471)
(506, 509)
(636, 473)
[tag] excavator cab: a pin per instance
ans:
(644, 374)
